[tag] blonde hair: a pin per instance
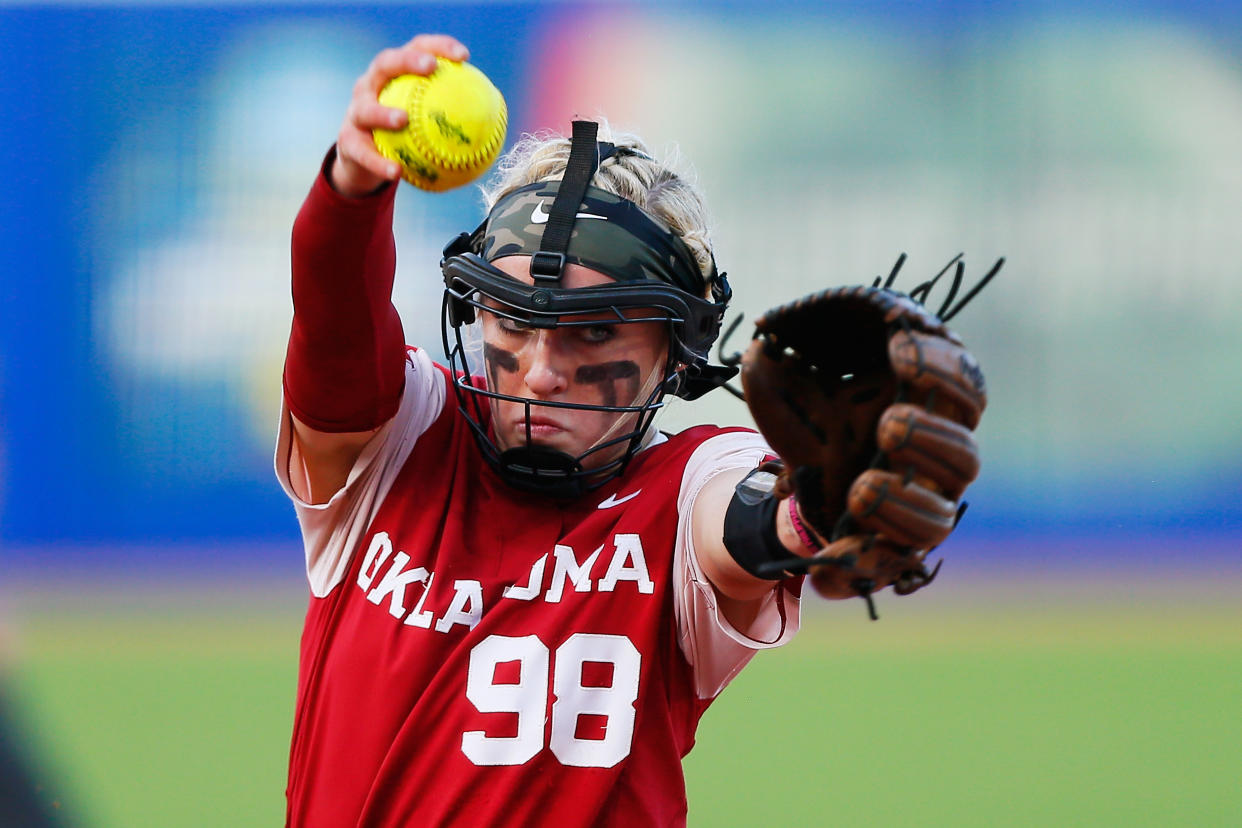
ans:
(654, 186)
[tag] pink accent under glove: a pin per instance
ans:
(799, 527)
(345, 366)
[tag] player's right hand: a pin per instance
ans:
(359, 168)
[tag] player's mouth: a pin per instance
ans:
(541, 429)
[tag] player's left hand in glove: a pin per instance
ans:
(871, 402)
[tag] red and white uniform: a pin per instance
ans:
(474, 655)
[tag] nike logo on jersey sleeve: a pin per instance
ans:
(613, 500)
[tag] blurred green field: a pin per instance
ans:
(1118, 706)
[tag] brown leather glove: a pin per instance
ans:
(870, 402)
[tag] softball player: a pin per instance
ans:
(521, 602)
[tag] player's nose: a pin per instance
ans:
(546, 369)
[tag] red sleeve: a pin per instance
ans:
(345, 366)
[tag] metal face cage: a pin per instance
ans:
(473, 288)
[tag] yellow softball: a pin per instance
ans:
(457, 125)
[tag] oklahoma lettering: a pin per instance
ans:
(388, 577)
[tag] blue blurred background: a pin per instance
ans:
(154, 156)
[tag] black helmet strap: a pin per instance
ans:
(548, 264)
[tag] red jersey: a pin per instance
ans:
(491, 657)
(477, 656)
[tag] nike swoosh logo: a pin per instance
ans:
(540, 215)
(613, 500)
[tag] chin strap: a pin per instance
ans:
(542, 471)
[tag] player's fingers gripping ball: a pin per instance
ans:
(457, 123)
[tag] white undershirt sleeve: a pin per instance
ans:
(331, 530)
(717, 650)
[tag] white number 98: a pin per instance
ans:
(527, 699)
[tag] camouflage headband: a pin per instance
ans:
(610, 234)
